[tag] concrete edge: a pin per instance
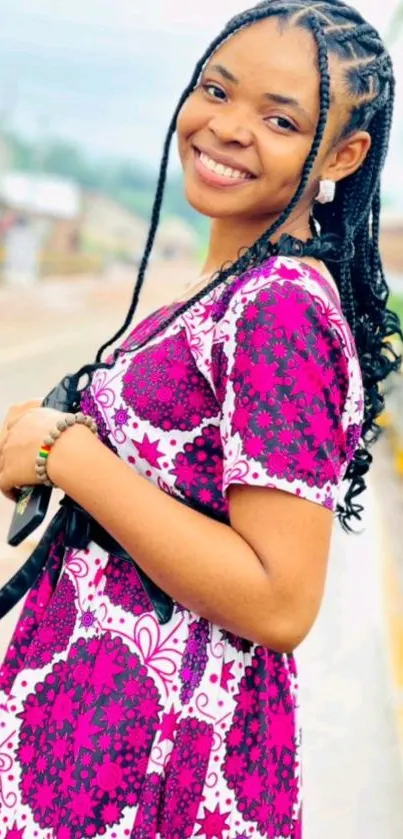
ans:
(392, 601)
(392, 589)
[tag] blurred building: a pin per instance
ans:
(50, 226)
(40, 221)
(111, 230)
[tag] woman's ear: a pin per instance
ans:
(347, 157)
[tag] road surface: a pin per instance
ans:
(352, 770)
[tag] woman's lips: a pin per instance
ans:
(212, 178)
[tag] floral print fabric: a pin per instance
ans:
(110, 724)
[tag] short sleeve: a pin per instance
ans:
(281, 373)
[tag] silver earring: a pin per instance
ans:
(327, 192)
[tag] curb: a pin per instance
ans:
(391, 596)
(393, 612)
(391, 565)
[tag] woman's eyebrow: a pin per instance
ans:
(226, 74)
(287, 100)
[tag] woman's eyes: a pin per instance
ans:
(212, 90)
(217, 93)
(286, 124)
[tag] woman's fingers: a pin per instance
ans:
(16, 411)
(13, 415)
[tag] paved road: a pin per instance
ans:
(353, 778)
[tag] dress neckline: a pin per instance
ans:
(324, 275)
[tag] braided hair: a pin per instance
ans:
(346, 232)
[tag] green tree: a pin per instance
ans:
(68, 161)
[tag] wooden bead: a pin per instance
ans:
(63, 424)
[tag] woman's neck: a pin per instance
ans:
(228, 236)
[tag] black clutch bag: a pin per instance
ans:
(29, 512)
(32, 502)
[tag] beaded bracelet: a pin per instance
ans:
(67, 422)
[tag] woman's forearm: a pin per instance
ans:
(203, 564)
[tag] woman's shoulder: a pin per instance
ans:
(288, 296)
(305, 273)
(280, 280)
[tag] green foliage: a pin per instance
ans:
(396, 304)
(138, 201)
(21, 153)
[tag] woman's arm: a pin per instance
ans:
(262, 578)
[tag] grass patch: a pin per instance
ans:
(395, 303)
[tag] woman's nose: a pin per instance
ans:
(231, 128)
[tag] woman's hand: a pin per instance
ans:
(21, 438)
(17, 411)
(14, 413)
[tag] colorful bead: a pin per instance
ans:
(62, 425)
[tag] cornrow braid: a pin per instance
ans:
(349, 33)
(345, 234)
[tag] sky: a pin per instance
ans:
(108, 73)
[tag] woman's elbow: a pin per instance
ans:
(286, 634)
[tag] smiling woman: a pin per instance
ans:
(150, 690)
(234, 120)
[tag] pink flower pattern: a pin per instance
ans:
(173, 396)
(261, 764)
(111, 724)
(85, 737)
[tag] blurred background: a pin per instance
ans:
(87, 90)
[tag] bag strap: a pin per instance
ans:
(80, 529)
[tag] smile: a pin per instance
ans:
(217, 174)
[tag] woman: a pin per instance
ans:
(129, 713)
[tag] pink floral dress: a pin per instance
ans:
(111, 724)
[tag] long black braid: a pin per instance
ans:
(349, 228)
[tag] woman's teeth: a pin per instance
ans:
(225, 171)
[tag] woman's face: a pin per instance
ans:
(244, 134)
